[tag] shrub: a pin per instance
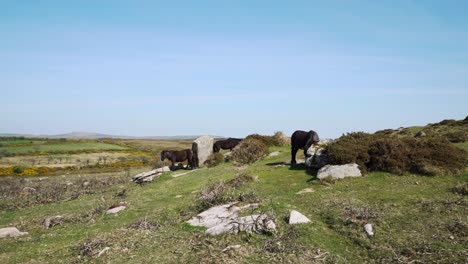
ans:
(351, 148)
(457, 136)
(281, 138)
(461, 188)
(249, 151)
(214, 160)
(427, 156)
(223, 191)
(277, 140)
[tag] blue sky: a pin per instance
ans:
(230, 68)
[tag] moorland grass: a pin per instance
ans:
(415, 218)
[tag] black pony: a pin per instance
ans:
(178, 156)
(229, 143)
(302, 140)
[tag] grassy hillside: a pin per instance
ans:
(456, 131)
(415, 218)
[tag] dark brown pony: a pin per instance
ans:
(178, 156)
(229, 143)
(302, 140)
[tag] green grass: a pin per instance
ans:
(414, 219)
(62, 147)
(463, 145)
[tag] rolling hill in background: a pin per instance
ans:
(93, 135)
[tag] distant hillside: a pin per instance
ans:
(93, 135)
(455, 131)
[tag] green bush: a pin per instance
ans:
(214, 160)
(351, 148)
(457, 136)
(276, 140)
(427, 156)
(249, 151)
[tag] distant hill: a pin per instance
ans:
(93, 135)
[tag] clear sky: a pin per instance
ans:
(230, 68)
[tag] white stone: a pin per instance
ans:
(202, 147)
(116, 209)
(368, 229)
(339, 171)
(11, 232)
(273, 154)
(306, 190)
(297, 218)
(86, 184)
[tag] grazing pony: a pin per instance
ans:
(178, 156)
(229, 143)
(302, 140)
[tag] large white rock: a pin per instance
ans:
(297, 218)
(116, 209)
(339, 171)
(202, 148)
(225, 219)
(11, 232)
(368, 229)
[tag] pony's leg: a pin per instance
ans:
(293, 155)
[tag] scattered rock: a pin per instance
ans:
(202, 148)
(224, 219)
(52, 221)
(231, 247)
(85, 184)
(273, 154)
(339, 171)
(368, 229)
(103, 251)
(116, 209)
(11, 232)
(179, 196)
(306, 190)
(68, 183)
(149, 176)
(420, 134)
(297, 218)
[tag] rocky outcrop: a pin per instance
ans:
(149, 176)
(202, 148)
(339, 171)
(316, 155)
(224, 219)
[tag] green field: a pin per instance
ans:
(20, 141)
(61, 147)
(416, 219)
